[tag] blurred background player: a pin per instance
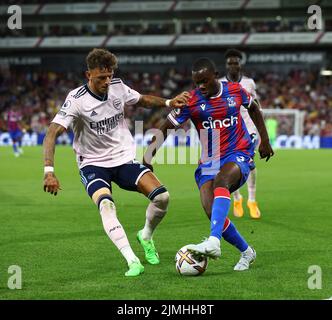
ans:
(13, 118)
(272, 129)
(213, 108)
(234, 63)
(105, 152)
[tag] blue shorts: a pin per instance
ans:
(207, 171)
(16, 135)
(125, 176)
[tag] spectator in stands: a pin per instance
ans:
(39, 95)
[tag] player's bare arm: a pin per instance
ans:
(258, 103)
(51, 183)
(265, 149)
(148, 101)
(156, 142)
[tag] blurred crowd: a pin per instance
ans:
(303, 90)
(39, 95)
(24, 2)
(155, 28)
(244, 26)
(90, 29)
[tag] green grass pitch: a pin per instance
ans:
(61, 247)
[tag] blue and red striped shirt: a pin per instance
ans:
(13, 120)
(218, 121)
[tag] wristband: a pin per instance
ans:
(48, 169)
(168, 103)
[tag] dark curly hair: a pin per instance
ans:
(233, 53)
(101, 58)
(204, 63)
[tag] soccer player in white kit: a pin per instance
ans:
(233, 60)
(105, 151)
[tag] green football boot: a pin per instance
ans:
(135, 269)
(151, 254)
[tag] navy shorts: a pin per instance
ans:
(125, 176)
(208, 171)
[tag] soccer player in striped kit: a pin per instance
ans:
(14, 125)
(234, 62)
(227, 152)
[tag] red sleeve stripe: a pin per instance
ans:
(226, 224)
(222, 193)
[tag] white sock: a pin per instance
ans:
(248, 250)
(155, 212)
(237, 195)
(215, 240)
(114, 230)
(129, 254)
(252, 185)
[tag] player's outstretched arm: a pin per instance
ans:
(259, 104)
(265, 149)
(179, 101)
(156, 142)
(51, 183)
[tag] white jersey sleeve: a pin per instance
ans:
(68, 112)
(130, 96)
(252, 91)
(250, 85)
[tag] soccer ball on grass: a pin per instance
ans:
(187, 265)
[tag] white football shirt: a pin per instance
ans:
(250, 85)
(101, 134)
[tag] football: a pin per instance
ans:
(187, 265)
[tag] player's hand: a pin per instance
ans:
(51, 183)
(265, 150)
(180, 100)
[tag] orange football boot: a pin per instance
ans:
(254, 211)
(238, 209)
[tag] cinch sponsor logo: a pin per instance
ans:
(218, 124)
(107, 124)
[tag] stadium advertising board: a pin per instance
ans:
(282, 141)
